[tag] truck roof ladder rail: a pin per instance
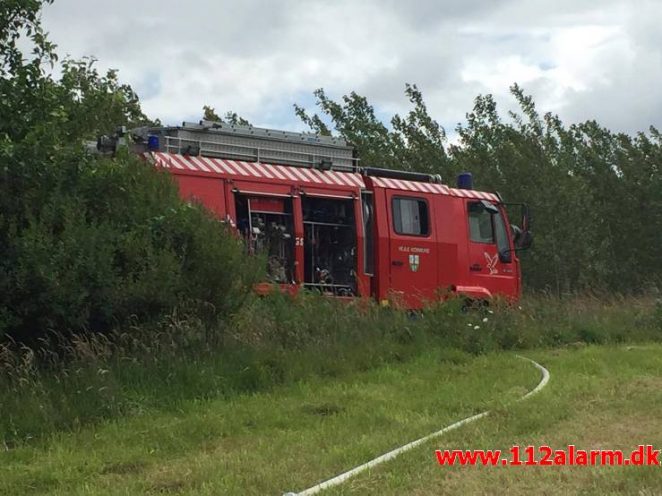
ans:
(253, 144)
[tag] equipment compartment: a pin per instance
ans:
(329, 245)
(266, 225)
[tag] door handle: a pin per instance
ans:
(476, 267)
(397, 263)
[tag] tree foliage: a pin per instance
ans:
(414, 142)
(209, 114)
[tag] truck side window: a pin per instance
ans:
(410, 216)
(480, 224)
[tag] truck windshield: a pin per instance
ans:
(486, 227)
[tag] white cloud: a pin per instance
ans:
(501, 72)
(255, 57)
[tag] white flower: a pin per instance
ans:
(485, 319)
(469, 324)
(476, 328)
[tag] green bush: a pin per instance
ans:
(106, 243)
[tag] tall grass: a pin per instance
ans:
(65, 382)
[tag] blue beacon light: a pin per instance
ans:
(465, 180)
(153, 143)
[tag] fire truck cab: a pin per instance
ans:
(326, 224)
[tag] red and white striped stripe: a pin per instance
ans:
(470, 193)
(401, 184)
(245, 170)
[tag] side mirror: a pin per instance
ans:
(522, 236)
(517, 233)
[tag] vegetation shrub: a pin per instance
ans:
(110, 243)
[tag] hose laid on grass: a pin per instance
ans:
(339, 479)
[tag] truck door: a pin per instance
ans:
(413, 271)
(492, 261)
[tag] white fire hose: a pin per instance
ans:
(339, 479)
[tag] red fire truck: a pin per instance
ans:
(325, 223)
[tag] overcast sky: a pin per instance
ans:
(583, 59)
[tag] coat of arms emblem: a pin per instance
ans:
(414, 262)
(491, 263)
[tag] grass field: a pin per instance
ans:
(294, 436)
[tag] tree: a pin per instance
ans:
(209, 114)
(354, 119)
(414, 143)
(419, 139)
